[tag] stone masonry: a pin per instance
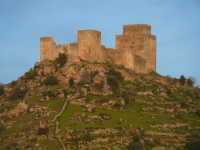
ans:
(135, 49)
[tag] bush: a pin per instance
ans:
(71, 81)
(61, 59)
(43, 131)
(117, 105)
(98, 86)
(191, 81)
(49, 93)
(65, 92)
(112, 81)
(87, 136)
(183, 105)
(113, 72)
(192, 142)
(17, 93)
(125, 96)
(13, 83)
(168, 92)
(182, 80)
(198, 112)
(153, 73)
(103, 99)
(2, 92)
(51, 80)
(31, 74)
(1, 128)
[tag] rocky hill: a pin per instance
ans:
(82, 105)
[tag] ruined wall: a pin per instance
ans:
(151, 54)
(73, 49)
(89, 45)
(59, 49)
(119, 57)
(46, 48)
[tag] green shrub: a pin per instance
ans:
(51, 80)
(49, 93)
(1, 128)
(112, 81)
(87, 136)
(182, 80)
(117, 105)
(125, 96)
(153, 73)
(2, 92)
(17, 93)
(31, 74)
(192, 142)
(65, 92)
(168, 92)
(198, 112)
(134, 146)
(113, 72)
(13, 83)
(98, 86)
(61, 59)
(103, 99)
(43, 131)
(183, 105)
(71, 81)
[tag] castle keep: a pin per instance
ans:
(134, 49)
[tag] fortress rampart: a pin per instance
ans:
(134, 49)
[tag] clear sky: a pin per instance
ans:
(176, 23)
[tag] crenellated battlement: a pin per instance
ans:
(134, 49)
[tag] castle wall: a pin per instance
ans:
(46, 48)
(134, 49)
(136, 43)
(73, 49)
(89, 45)
(140, 64)
(151, 54)
(59, 49)
(119, 57)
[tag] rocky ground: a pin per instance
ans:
(104, 107)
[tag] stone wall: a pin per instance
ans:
(151, 53)
(73, 49)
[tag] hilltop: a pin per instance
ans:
(76, 104)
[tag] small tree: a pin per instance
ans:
(71, 81)
(191, 81)
(51, 80)
(31, 74)
(61, 59)
(182, 80)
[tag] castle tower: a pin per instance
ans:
(138, 38)
(89, 45)
(46, 48)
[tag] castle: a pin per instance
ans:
(135, 49)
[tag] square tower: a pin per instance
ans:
(138, 38)
(46, 48)
(89, 45)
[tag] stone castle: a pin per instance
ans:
(135, 49)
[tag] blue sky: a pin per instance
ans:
(176, 23)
